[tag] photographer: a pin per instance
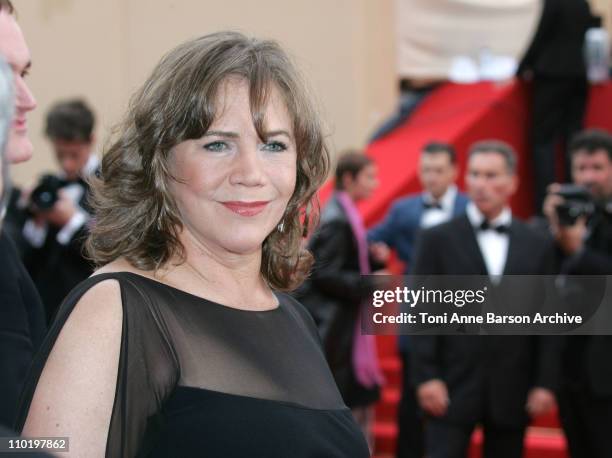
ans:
(58, 209)
(581, 223)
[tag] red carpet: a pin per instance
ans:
(461, 115)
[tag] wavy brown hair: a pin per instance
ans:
(136, 216)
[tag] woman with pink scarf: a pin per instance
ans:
(339, 285)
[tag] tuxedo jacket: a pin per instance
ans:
(56, 268)
(588, 359)
(487, 376)
(22, 328)
(402, 224)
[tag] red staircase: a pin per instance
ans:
(461, 115)
(544, 437)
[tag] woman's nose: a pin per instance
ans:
(248, 169)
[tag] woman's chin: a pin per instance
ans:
(243, 245)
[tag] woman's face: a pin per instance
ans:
(364, 184)
(232, 187)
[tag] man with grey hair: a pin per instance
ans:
(22, 319)
(496, 381)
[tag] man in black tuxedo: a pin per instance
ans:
(495, 381)
(585, 248)
(53, 237)
(22, 322)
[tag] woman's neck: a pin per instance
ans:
(219, 275)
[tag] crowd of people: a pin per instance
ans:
(181, 295)
(451, 384)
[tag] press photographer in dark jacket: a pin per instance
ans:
(56, 214)
(585, 247)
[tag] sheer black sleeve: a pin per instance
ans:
(148, 369)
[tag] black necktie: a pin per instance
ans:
(501, 228)
(430, 205)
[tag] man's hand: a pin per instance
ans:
(551, 202)
(62, 211)
(540, 401)
(380, 252)
(433, 397)
(570, 238)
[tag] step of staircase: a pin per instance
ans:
(539, 442)
(544, 438)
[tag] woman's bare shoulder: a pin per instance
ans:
(75, 392)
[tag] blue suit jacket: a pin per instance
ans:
(399, 228)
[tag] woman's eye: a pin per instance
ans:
(216, 146)
(275, 147)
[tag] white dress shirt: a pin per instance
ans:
(434, 216)
(493, 244)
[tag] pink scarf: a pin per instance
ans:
(364, 356)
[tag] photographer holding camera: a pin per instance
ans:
(580, 215)
(580, 220)
(57, 209)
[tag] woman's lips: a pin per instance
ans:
(246, 208)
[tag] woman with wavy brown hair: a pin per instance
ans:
(181, 343)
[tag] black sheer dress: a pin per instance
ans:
(197, 378)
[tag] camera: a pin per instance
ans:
(578, 202)
(45, 194)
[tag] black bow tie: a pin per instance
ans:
(430, 205)
(501, 228)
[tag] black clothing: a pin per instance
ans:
(558, 107)
(450, 440)
(451, 248)
(556, 58)
(556, 49)
(596, 257)
(19, 454)
(488, 377)
(55, 267)
(501, 228)
(587, 421)
(197, 378)
(22, 327)
(586, 392)
(587, 358)
(410, 438)
(14, 221)
(333, 294)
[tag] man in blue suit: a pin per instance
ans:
(439, 202)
